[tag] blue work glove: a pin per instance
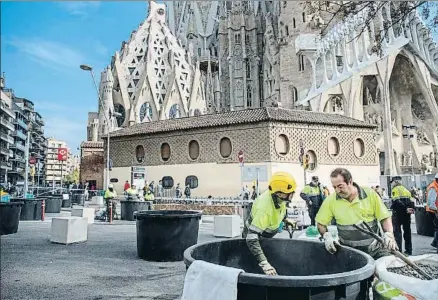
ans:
(280, 228)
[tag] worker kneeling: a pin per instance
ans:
(267, 214)
(350, 205)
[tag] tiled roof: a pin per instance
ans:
(241, 117)
(91, 144)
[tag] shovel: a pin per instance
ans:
(396, 253)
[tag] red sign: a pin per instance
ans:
(32, 160)
(62, 154)
(240, 156)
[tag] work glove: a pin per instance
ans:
(389, 241)
(267, 268)
(330, 243)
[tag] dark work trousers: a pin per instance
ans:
(313, 210)
(435, 225)
(402, 219)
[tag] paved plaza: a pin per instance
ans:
(104, 267)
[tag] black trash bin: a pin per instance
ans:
(31, 210)
(128, 208)
(424, 221)
(306, 270)
(53, 204)
(163, 235)
(9, 217)
(78, 199)
(66, 202)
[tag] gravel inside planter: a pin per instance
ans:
(408, 271)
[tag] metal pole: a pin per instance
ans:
(108, 133)
(38, 178)
(26, 170)
(62, 164)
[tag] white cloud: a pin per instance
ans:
(48, 53)
(79, 8)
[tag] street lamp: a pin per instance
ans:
(90, 69)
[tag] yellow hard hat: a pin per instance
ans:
(282, 182)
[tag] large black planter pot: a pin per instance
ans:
(129, 207)
(31, 209)
(9, 217)
(424, 221)
(78, 199)
(163, 235)
(306, 271)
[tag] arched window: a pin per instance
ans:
(286, 30)
(193, 149)
(225, 147)
(304, 17)
(165, 151)
(145, 111)
(118, 108)
(282, 145)
(139, 153)
(293, 95)
(248, 69)
(249, 96)
(294, 23)
(174, 112)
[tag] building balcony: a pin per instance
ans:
(4, 150)
(6, 165)
(18, 158)
(6, 109)
(6, 138)
(5, 122)
(18, 146)
(20, 135)
(16, 170)
(21, 123)
(40, 121)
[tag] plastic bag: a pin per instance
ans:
(420, 289)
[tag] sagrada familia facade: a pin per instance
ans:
(202, 57)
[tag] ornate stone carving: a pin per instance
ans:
(336, 104)
(422, 137)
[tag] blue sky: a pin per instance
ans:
(42, 46)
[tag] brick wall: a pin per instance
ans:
(92, 166)
(257, 141)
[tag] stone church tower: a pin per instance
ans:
(249, 46)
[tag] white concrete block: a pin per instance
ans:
(97, 200)
(87, 212)
(227, 226)
(68, 230)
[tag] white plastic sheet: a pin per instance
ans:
(420, 289)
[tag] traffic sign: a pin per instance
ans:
(62, 154)
(240, 156)
(32, 160)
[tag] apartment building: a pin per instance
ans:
(55, 169)
(20, 123)
(7, 117)
(29, 124)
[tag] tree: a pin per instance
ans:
(339, 11)
(73, 177)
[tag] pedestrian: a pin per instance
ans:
(110, 195)
(178, 191)
(431, 207)
(402, 207)
(313, 194)
(187, 191)
(160, 188)
(267, 215)
(352, 204)
(126, 186)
